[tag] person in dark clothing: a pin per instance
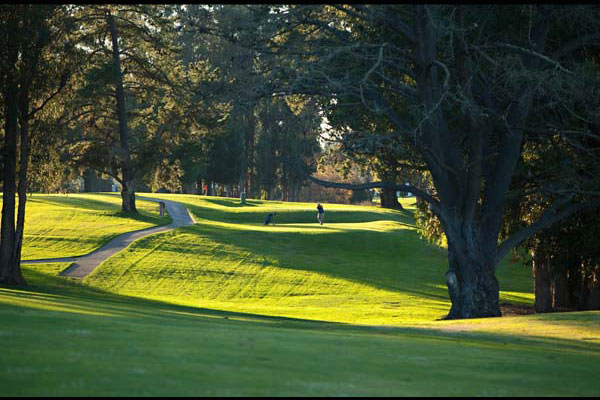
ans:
(269, 219)
(320, 213)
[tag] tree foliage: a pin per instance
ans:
(464, 89)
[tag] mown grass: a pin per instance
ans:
(76, 224)
(230, 307)
(364, 265)
(62, 338)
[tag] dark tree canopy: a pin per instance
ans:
(463, 89)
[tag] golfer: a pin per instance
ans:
(320, 213)
(270, 219)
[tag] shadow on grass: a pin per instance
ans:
(98, 242)
(71, 201)
(99, 206)
(232, 202)
(362, 241)
(358, 256)
(70, 295)
(295, 216)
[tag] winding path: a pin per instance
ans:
(83, 265)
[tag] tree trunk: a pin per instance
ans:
(128, 189)
(128, 197)
(541, 283)
(561, 294)
(389, 199)
(243, 185)
(284, 184)
(472, 284)
(592, 288)
(10, 273)
(22, 188)
(290, 192)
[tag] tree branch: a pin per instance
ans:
(298, 166)
(549, 217)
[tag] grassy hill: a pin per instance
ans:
(76, 224)
(364, 265)
(230, 307)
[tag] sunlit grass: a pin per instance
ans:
(70, 225)
(364, 265)
(194, 312)
(62, 338)
(572, 326)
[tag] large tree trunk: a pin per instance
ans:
(472, 284)
(128, 189)
(389, 199)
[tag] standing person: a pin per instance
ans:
(269, 219)
(320, 213)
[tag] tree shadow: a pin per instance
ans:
(72, 296)
(71, 201)
(299, 250)
(352, 255)
(96, 205)
(232, 202)
(292, 216)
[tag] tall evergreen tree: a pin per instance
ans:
(131, 86)
(35, 55)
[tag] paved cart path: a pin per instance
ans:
(83, 265)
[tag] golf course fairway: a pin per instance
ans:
(231, 307)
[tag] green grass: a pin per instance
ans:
(76, 224)
(229, 307)
(364, 265)
(61, 338)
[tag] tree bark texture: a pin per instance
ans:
(472, 286)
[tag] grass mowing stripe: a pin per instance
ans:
(76, 224)
(159, 318)
(349, 270)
